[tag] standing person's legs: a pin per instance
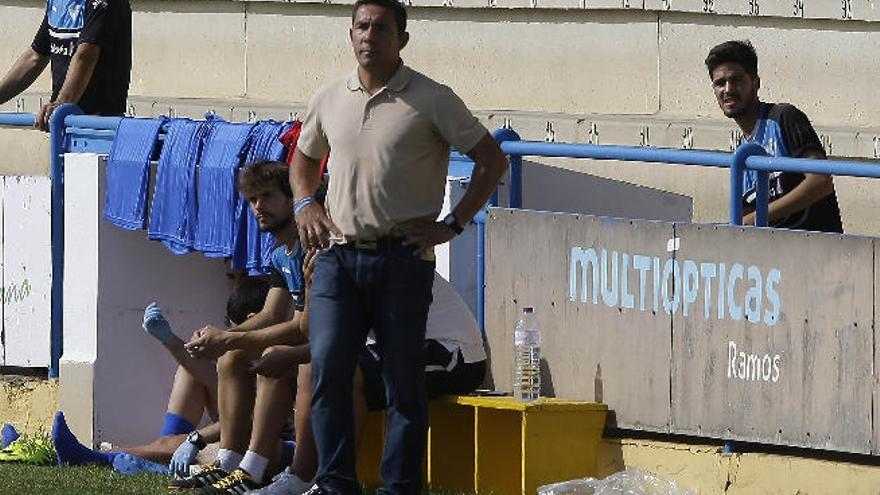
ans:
(401, 303)
(305, 457)
(338, 324)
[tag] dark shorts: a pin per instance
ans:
(462, 379)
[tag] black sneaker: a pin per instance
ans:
(210, 474)
(237, 483)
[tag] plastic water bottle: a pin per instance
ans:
(527, 357)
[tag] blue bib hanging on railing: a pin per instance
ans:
(128, 172)
(174, 211)
(217, 192)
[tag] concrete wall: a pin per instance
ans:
(704, 470)
(557, 58)
(605, 71)
(26, 271)
(711, 331)
(28, 403)
(114, 377)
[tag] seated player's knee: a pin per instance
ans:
(233, 363)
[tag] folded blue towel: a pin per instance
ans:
(128, 172)
(174, 211)
(129, 464)
(217, 192)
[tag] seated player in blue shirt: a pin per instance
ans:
(253, 409)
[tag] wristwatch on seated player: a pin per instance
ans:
(196, 439)
(452, 222)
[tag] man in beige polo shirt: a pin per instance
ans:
(388, 130)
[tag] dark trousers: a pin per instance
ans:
(387, 289)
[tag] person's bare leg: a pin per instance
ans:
(160, 450)
(273, 405)
(190, 398)
(235, 399)
(305, 456)
(159, 328)
(203, 370)
(360, 405)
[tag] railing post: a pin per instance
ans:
(480, 220)
(737, 173)
(762, 199)
(56, 164)
(515, 173)
(514, 201)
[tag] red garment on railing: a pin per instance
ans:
(290, 139)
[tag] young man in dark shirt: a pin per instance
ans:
(88, 43)
(797, 201)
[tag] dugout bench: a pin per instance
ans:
(498, 445)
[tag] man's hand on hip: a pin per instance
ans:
(424, 234)
(315, 227)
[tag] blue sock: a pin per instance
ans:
(131, 464)
(287, 448)
(72, 453)
(7, 435)
(175, 425)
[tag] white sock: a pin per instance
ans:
(229, 459)
(254, 464)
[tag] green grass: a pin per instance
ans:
(19, 479)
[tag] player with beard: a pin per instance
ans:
(248, 452)
(797, 201)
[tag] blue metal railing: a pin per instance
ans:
(73, 132)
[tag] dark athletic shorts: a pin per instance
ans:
(462, 379)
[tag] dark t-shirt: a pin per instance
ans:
(783, 130)
(105, 23)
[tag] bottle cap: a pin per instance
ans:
(528, 310)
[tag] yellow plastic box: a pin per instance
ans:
(498, 445)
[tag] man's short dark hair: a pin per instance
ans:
(738, 52)
(397, 7)
(262, 174)
(248, 297)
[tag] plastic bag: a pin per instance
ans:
(628, 482)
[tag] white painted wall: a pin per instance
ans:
(111, 274)
(26, 271)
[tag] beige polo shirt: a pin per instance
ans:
(390, 151)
